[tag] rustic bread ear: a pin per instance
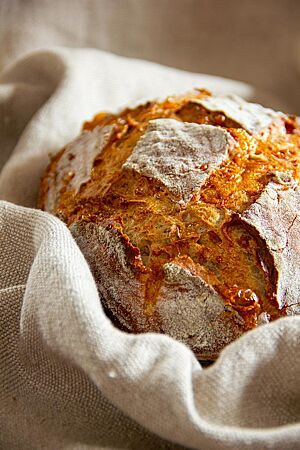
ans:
(113, 262)
(252, 117)
(73, 167)
(275, 216)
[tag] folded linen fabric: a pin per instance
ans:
(68, 377)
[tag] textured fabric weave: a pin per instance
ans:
(68, 378)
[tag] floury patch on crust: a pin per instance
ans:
(191, 311)
(179, 155)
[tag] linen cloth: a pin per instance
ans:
(68, 378)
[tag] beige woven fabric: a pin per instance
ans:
(68, 378)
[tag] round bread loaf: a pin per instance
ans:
(187, 213)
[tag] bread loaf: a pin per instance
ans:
(187, 213)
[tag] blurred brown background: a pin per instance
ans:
(255, 41)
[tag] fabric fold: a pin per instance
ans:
(68, 377)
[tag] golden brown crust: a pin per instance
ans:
(163, 219)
